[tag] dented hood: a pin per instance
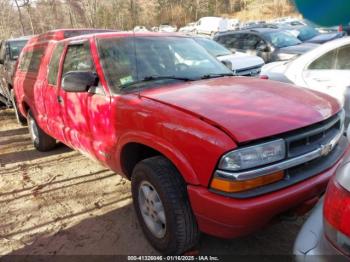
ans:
(245, 108)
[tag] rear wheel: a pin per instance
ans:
(42, 142)
(162, 206)
(20, 118)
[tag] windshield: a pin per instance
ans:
(130, 60)
(16, 48)
(281, 39)
(213, 47)
(307, 32)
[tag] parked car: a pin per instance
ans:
(325, 69)
(325, 236)
(205, 151)
(211, 25)
(9, 52)
(234, 24)
(309, 34)
(241, 64)
(155, 29)
(189, 28)
(268, 43)
(167, 29)
(140, 29)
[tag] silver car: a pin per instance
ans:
(326, 234)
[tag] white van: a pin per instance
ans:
(211, 25)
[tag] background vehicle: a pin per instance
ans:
(325, 69)
(241, 64)
(326, 233)
(189, 28)
(204, 151)
(309, 34)
(234, 24)
(211, 25)
(140, 29)
(268, 43)
(9, 53)
(167, 29)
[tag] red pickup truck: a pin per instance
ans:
(205, 151)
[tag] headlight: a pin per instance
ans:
(253, 156)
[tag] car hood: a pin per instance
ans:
(322, 38)
(298, 49)
(242, 61)
(247, 109)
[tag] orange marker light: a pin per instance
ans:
(231, 186)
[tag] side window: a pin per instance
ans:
(325, 62)
(250, 42)
(343, 58)
(231, 41)
(31, 60)
(54, 64)
(78, 58)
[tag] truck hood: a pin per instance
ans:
(247, 109)
(242, 61)
(298, 49)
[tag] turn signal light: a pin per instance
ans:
(233, 186)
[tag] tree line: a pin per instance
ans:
(28, 17)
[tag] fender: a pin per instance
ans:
(162, 146)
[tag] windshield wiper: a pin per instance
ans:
(216, 75)
(155, 78)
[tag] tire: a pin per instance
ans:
(180, 232)
(21, 120)
(42, 142)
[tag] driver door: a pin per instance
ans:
(86, 115)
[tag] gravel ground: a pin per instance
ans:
(63, 203)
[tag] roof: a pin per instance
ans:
(253, 30)
(60, 34)
(22, 38)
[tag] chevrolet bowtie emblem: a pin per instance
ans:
(326, 149)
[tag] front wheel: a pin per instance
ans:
(42, 141)
(162, 206)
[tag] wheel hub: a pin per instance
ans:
(152, 209)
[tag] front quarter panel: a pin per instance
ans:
(193, 145)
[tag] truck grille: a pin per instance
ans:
(310, 139)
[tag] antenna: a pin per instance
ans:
(133, 11)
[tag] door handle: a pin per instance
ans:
(60, 99)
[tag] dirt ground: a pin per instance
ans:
(63, 203)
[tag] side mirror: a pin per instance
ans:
(78, 81)
(227, 64)
(262, 48)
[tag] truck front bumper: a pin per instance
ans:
(228, 217)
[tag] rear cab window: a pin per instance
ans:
(31, 60)
(54, 64)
